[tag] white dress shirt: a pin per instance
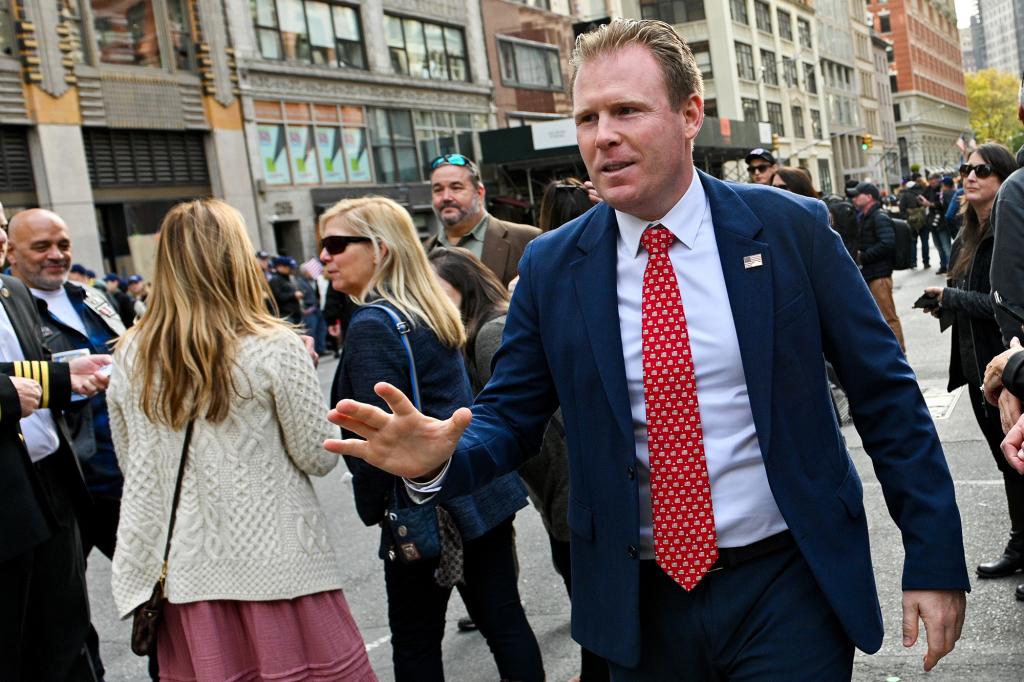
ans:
(745, 510)
(39, 429)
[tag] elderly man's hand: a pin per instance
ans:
(90, 375)
(1009, 410)
(993, 385)
(29, 394)
(1012, 444)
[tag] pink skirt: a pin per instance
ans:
(290, 640)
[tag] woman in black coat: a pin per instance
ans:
(966, 300)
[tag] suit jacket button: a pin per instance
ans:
(630, 472)
(631, 551)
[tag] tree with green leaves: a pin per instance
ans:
(992, 100)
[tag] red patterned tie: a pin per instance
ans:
(684, 522)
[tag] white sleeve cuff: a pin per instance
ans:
(422, 491)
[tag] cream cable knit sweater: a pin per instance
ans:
(249, 525)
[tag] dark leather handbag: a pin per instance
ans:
(416, 532)
(146, 617)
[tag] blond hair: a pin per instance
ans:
(208, 291)
(678, 67)
(402, 276)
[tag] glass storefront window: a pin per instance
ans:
(273, 155)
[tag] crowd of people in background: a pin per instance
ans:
(202, 446)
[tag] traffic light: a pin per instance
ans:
(866, 142)
(775, 141)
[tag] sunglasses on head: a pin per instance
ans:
(451, 159)
(757, 170)
(982, 170)
(336, 244)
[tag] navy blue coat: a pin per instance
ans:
(373, 352)
(562, 346)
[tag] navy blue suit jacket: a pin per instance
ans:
(562, 346)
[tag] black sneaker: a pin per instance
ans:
(1020, 592)
(467, 624)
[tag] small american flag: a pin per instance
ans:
(754, 261)
(314, 267)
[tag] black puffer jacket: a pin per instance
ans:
(976, 337)
(877, 242)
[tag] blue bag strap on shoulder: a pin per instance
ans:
(403, 329)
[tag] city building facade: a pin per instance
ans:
(927, 82)
(1002, 27)
(111, 113)
(760, 63)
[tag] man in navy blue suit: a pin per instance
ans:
(722, 409)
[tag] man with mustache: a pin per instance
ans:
(459, 200)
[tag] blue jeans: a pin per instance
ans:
(417, 607)
(923, 236)
(316, 327)
(943, 244)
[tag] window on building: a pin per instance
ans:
(309, 31)
(775, 117)
(890, 54)
(763, 16)
(442, 132)
(539, 4)
(798, 121)
(529, 65)
(789, 73)
(180, 26)
(816, 124)
(896, 113)
(6, 29)
(884, 24)
(702, 55)
(672, 11)
(893, 83)
(394, 147)
(751, 110)
(426, 50)
(824, 177)
(785, 25)
(803, 28)
(738, 8)
(867, 84)
(810, 80)
(304, 144)
(745, 62)
(126, 33)
(769, 68)
(711, 108)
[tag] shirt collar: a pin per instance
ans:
(478, 233)
(683, 220)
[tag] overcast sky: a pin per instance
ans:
(963, 11)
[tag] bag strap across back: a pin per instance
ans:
(174, 501)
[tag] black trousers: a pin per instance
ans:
(765, 619)
(44, 606)
(417, 606)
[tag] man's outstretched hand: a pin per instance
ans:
(404, 443)
(90, 375)
(943, 614)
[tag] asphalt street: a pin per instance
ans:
(992, 647)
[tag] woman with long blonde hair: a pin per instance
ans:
(371, 252)
(253, 586)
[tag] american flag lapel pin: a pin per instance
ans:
(754, 261)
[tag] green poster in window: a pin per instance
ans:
(328, 146)
(355, 151)
(272, 155)
(300, 145)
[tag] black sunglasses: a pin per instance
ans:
(982, 170)
(757, 169)
(336, 244)
(452, 159)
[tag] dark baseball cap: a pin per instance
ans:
(262, 255)
(288, 261)
(851, 188)
(79, 269)
(867, 188)
(111, 277)
(134, 279)
(761, 153)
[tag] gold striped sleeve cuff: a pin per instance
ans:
(38, 372)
